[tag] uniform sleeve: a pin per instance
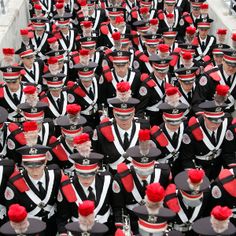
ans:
(118, 200)
(187, 155)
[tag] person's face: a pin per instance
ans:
(125, 47)
(211, 125)
(121, 70)
(84, 59)
(151, 48)
(160, 75)
(203, 33)
(187, 63)
(86, 181)
(169, 7)
(196, 12)
(172, 127)
(169, 41)
(124, 124)
(221, 38)
(35, 172)
(86, 83)
(28, 61)
(186, 86)
(64, 29)
(56, 92)
(54, 46)
(229, 70)
(60, 64)
(218, 59)
(14, 85)
(39, 31)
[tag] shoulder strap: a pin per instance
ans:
(159, 136)
(106, 129)
(194, 127)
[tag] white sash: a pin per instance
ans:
(97, 18)
(34, 198)
(208, 143)
(183, 216)
(107, 180)
(230, 97)
(54, 110)
(10, 102)
(201, 53)
(170, 148)
(135, 192)
(62, 42)
(1, 174)
(45, 137)
(149, 67)
(36, 73)
(131, 77)
(119, 147)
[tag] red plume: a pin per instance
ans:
(222, 90)
(82, 138)
(116, 36)
(73, 109)
(29, 89)
(7, 51)
(155, 192)
(17, 213)
(233, 37)
(172, 91)
(221, 213)
(144, 135)
(144, 10)
(86, 208)
(30, 126)
(123, 87)
(190, 30)
(222, 31)
(196, 175)
(153, 21)
(84, 52)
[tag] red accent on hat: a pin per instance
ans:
(87, 24)
(233, 37)
(152, 226)
(190, 30)
(170, 15)
(30, 126)
(7, 51)
(37, 7)
(84, 52)
(82, 3)
(123, 110)
(222, 31)
(172, 91)
(116, 36)
(169, 34)
(73, 109)
(86, 208)
(222, 90)
(24, 32)
(82, 138)
(144, 135)
(187, 55)
(155, 192)
(144, 10)
(119, 19)
(204, 6)
(29, 89)
(123, 87)
(17, 213)
(52, 60)
(196, 175)
(59, 6)
(153, 21)
(52, 40)
(163, 48)
(221, 213)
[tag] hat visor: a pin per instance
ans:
(174, 122)
(189, 81)
(230, 63)
(86, 79)
(123, 116)
(85, 175)
(215, 120)
(33, 164)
